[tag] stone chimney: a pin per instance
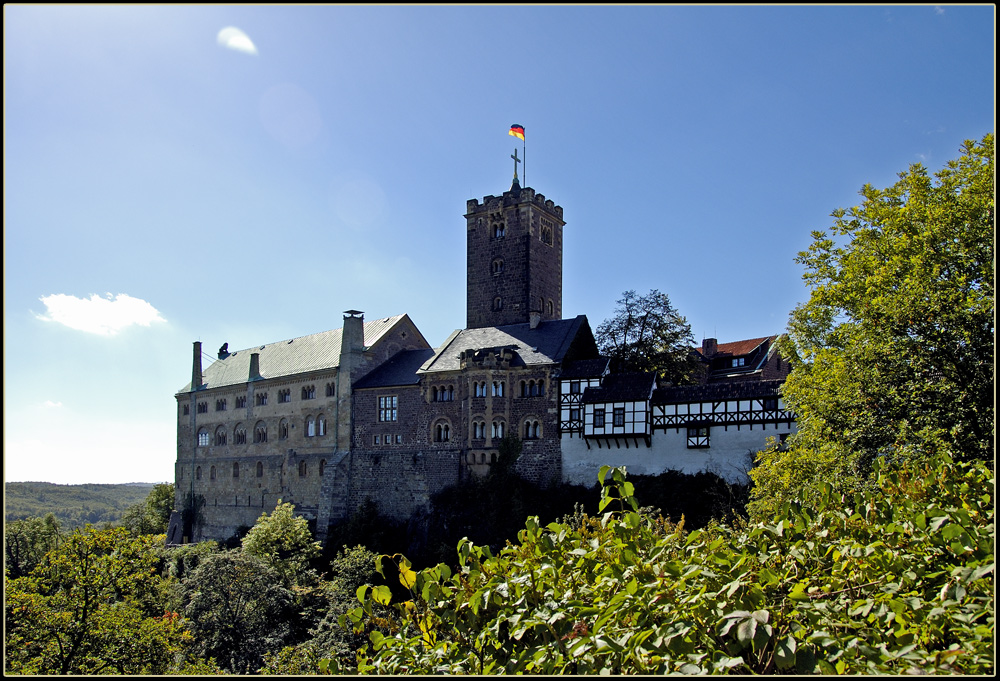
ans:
(352, 346)
(709, 347)
(254, 367)
(196, 377)
(534, 318)
(353, 338)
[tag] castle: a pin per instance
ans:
(372, 411)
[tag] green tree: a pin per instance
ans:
(239, 610)
(893, 351)
(284, 540)
(152, 515)
(646, 333)
(92, 606)
(27, 541)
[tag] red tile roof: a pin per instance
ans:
(743, 347)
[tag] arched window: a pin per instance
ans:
(260, 399)
(303, 469)
(497, 430)
(203, 438)
(239, 435)
(497, 266)
(283, 429)
(480, 388)
(309, 392)
(434, 394)
(211, 473)
(498, 230)
(532, 430)
(220, 435)
(260, 469)
(442, 432)
(329, 389)
(260, 432)
(236, 469)
(497, 388)
(321, 425)
(322, 467)
(550, 308)
(541, 387)
(310, 426)
(197, 473)
(498, 303)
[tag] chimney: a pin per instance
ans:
(533, 319)
(196, 377)
(709, 347)
(353, 338)
(254, 367)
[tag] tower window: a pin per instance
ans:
(498, 230)
(498, 303)
(284, 396)
(241, 402)
(203, 438)
(497, 266)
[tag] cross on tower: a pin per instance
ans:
(516, 161)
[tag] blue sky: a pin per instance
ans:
(165, 184)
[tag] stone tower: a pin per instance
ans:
(514, 259)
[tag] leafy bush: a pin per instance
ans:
(898, 581)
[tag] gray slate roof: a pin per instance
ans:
(547, 343)
(633, 387)
(737, 390)
(314, 352)
(586, 368)
(400, 370)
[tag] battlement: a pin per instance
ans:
(513, 198)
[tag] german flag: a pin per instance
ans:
(517, 131)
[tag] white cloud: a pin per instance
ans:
(938, 9)
(103, 316)
(235, 39)
(49, 404)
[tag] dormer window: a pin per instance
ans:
(737, 362)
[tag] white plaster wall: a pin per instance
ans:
(727, 456)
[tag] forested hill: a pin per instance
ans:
(73, 505)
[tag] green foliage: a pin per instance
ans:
(239, 610)
(283, 540)
(74, 506)
(894, 351)
(92, 606)
(647, 334)
(901, 581)
(152, 515)
(26, 542)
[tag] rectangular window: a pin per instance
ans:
(598, 417)
(387, 408)
(739, 361)
(698, 438)
(770, 403)
(574, 387)
(619, 416)
(399, 439)
(574, 415)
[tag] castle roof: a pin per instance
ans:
(586, 368)
(739, 390)
(314, 352)
(547, 343)
(632, 387)
(400, 370)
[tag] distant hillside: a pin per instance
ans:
(73, 505)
